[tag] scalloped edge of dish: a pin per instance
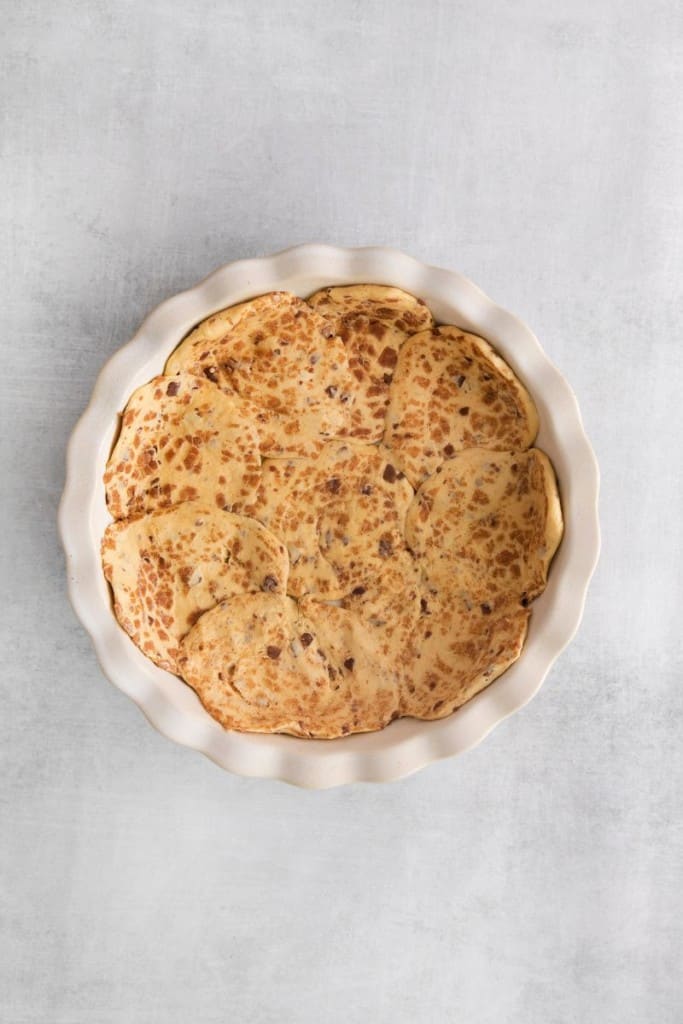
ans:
(406, 745)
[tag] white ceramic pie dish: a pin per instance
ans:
(407, 744)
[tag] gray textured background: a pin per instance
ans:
(537, 147)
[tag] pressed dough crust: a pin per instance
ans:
(328, 514)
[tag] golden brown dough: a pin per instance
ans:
(181, 439)
(282, 356)
(168, 567)
(373, 321)
(452, 391)
(329, 513)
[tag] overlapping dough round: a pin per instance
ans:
(373, 321)
(265, 663)
(456, 653)
(485, 527)
(452, 391)
(168, 567)
(181, 439)
(278, 353)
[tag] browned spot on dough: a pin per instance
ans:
(386, 548)
(388, 357)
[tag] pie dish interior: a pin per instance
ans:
(406, 744)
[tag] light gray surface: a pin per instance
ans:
(537, 148)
